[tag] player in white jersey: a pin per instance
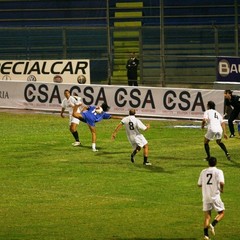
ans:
(211, 180)
(215, 129)
(67, 104)
(133, 126)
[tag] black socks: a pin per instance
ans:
(75, 135)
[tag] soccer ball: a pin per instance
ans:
(98, 110)
(81, 79)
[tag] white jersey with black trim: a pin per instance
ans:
(210, 179)
(213, 119)
(69, 103)
(133, 125)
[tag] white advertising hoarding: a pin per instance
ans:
(150, 102)
(59, 71)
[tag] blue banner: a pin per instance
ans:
(228, 69)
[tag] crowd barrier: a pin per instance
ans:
(149, 101)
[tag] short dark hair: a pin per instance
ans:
(105, 107)
(228, 91)
(211, 105)
(212, 161)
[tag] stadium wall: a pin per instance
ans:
(156, 102)
(177, 42)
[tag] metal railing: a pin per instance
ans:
(170, 54)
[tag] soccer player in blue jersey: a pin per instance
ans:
(91, 115)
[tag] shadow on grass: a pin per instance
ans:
(231, 163)
(193, 165)
(152, 168)
(84, 146)
(155, 238)
(111, 153)
(102, 152)
(177, 158)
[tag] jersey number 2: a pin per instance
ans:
(209, 176)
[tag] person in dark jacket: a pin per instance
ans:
(232, 101)
(132, 70)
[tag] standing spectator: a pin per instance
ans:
(234, 102)
(211, 180)
(216, 127)
(132, 70)
(239, 129)
(91, 115)
(137, 140)
(67, 104)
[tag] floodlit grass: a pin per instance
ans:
(51, 190)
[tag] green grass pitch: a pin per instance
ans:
(53, 191)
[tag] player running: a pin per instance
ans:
(133, 126)
(216, 128)
(211, 180)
